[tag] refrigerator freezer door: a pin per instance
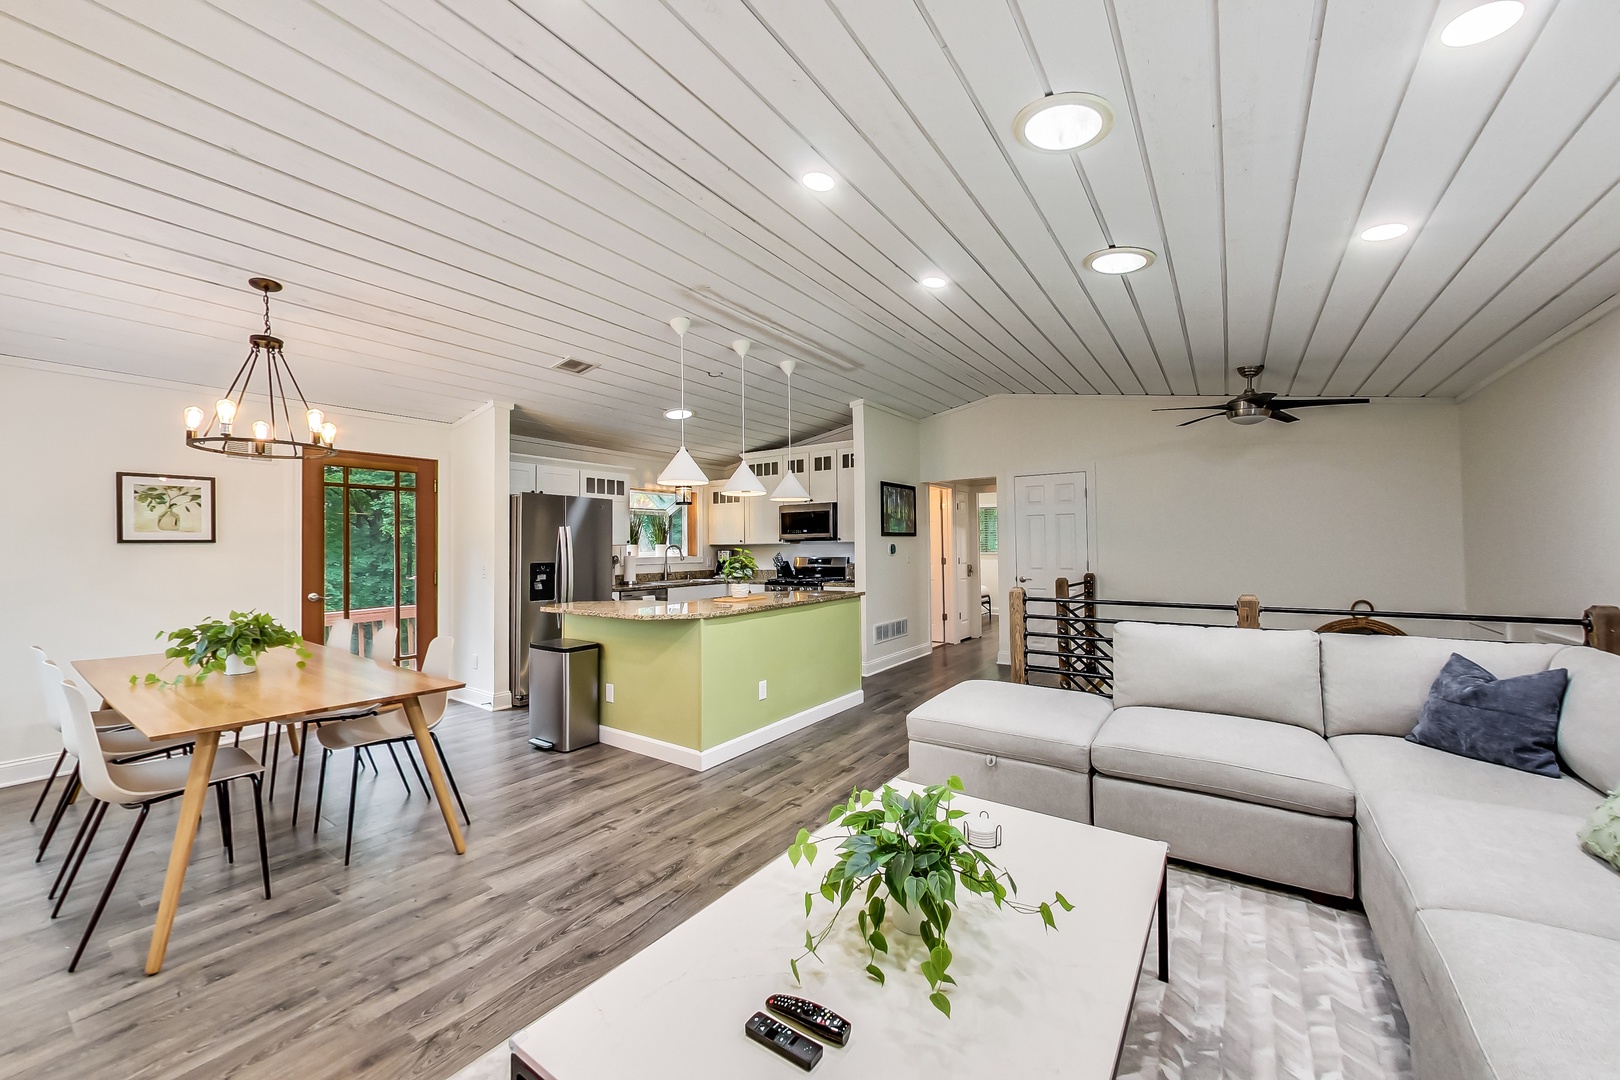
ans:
(562, 550)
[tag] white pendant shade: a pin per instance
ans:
(743, 482)
(682, 471)
(790, 490)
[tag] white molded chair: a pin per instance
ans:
(341, 635)
(140, 784)
(387, 726)
(117, 740)
(384, 645)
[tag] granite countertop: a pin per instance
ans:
(656, 610)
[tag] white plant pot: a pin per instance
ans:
(235, 665)
(738, 588)
(907, 922)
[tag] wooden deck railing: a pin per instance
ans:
(1063, 640)
(369, 620)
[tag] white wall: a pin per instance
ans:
(71, 588)
(480, 545)
(1362, 501)
(896, 585)
(1541, 481)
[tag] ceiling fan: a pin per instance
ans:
(1251, 406)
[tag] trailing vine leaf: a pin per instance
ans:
(941, 1002)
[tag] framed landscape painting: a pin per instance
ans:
(899, 506)
(154, 509)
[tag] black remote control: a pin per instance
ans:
(802, 1050)
(817, 1019)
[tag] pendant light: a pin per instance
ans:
(682, 472)
(790, 490)
(743, 482)
(266, 442)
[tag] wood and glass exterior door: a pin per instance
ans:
(371, 552)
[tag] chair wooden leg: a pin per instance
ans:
(450, 776)
(61, 808)
(320, 790)
(258, 820)
(46, 790)
(354, 789)
(222, 794)
(97, 811)
(397, 767)
(118, 868)
(298, 780)
(73, 849)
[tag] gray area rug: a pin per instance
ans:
(1264, 985)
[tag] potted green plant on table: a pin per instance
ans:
(231, 647)
(738, 570)
(902, 859)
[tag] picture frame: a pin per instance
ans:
(165, 508)
(897, 509)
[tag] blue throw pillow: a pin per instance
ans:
(1512, 722)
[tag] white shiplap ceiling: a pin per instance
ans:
(459, 193)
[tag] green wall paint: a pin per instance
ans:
(695, 682)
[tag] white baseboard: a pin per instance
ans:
(503, 700)
(1004, 657)
(468, 696)
(701, 760)
(27, 770)
(905, 656)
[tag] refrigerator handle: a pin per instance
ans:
(565, 572)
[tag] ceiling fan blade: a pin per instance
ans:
(1305, 403)
(1186, 408)
(1278, 414)
(1196, 419)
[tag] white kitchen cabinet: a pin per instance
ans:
(727, 517)
(846, 492)
(823, 481)
(554, 480)
(522, 478)
(763, 518)
(681, 593)
(614, 486)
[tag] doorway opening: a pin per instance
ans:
(370, 554)
(956, 582)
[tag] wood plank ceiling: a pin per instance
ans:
(459, 193)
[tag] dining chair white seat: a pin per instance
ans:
(341, 635)
(384, 645)
(139, 785)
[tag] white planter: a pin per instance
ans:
(907, 922)
(235, 665)
(738, 588)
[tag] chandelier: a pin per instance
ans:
(267, 439)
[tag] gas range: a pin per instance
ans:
(811, 574)
(804, 584)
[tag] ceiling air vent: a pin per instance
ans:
(573, 366)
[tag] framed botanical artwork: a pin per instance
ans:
(157, 509)
(899, 509)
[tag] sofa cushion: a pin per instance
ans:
(1041, 724)
(1387, 763)
(1261, 674)
(1376, 685)
(1509, 722)
(1600, 834)
(1521, 1000)
(1589, 730)
(1255, 761)
(1502, 860)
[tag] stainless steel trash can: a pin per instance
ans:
(565, 678)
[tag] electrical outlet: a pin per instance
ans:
(609, 691)
(762, 689)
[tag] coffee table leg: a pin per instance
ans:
(435, 771)
(185, 831)
(1164, 925)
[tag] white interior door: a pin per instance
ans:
(1049, 514)
(940, 579)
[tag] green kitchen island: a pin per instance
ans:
(700, 682)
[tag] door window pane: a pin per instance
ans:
(376, 477)
(407, 573)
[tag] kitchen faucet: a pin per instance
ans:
(667, 549)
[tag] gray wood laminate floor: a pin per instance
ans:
(411, 962)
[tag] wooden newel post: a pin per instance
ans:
(1015, 634)
(1248, 611)
(1065, 630)
(1603, 627)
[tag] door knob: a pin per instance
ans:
(1022, 580)
(315, 597)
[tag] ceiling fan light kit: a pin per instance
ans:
(682, 471)
(266, 443)
(1063, 123)
(1252, 406)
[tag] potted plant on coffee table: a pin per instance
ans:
(230, 647)
(738, 570)
(902, 859)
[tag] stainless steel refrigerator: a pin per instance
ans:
(562, 550)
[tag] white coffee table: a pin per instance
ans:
(1030, 1002)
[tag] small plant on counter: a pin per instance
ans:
(740, 566)
(210, 644)
(904, 850)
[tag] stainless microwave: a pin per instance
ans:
(810, 521)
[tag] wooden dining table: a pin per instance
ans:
(279, 691)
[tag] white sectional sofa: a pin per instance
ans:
(1282, 755)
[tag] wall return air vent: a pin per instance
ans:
(888, 631)
(573, 366)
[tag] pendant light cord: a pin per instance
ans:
(683, 391)
(742, 371)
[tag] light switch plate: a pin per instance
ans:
(609, 691)
(762, 689)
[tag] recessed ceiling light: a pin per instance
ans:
(677, 414)
(1384, 232)
(818, 181)
(934, 281)
(1119, 260)
(1482, 23)
(1061, 123)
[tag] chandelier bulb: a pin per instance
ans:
(261, 430)
(328, 433)
(316, 419)
(225, 409)
(194, 418)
